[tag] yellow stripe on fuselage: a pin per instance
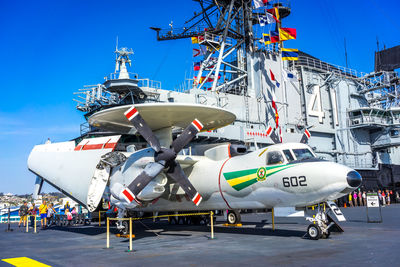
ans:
(242, 179)
(276, 169)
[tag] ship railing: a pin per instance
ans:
(114, 76)
(327, 67)
(368, 120)
(213, 39)
(149, 83)
(179, 33)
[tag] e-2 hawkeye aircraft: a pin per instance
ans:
(165, 177)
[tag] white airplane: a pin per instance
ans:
(165, 177)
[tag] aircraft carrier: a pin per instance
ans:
(254, 244)
(354, 117)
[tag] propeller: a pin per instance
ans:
(163, 158)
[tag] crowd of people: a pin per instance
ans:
(359, 198)
(46, 212)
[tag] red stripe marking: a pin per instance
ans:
(96, 146)
(196, 200)
(106, 142)
(110, 145)
(229, 151)
(130, 113)
(307, 133)
(82, 147)
(129, 196)
(219, 183)
(92, 146)
(197, 124)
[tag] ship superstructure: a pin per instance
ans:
(354, 117)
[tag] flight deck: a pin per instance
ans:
(253, 244)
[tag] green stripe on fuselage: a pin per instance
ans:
(237, 174)
(239, 187)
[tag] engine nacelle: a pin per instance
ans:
(154, 189)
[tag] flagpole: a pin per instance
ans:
(283, 94)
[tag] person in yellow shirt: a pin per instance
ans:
(350, 200)
(43, 214)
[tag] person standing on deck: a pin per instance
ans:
(23, 212)
(364, 197)
(350, 200)
(355, 198)
(32, 213)
(43, 214)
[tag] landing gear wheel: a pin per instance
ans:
(125, 228)
(314, 231)
(233, 217)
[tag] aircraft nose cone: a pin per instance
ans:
(354, 179)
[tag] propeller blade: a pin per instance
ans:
(176, 173)
(141, 126)
(274, 137)
(305, 137)
(187, 135)
(150, 171)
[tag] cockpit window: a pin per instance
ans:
(274, 157)
(303, 153)
(288, 155)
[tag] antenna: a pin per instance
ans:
(345, 52)
(116, 56)
(377, 42)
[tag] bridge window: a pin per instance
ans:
(274, 157)
(303, 153)
(288, 155)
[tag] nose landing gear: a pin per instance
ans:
(321, 224)
(319, 227)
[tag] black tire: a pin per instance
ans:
(314, 231)
(233, 217)
(125, 229)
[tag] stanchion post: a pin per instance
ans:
(99, 218)
(130, 233)
(212, 224)
(27, 223)
(35, 222)
(108, 232)
(273, 220)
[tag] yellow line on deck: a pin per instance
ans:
(25, 262)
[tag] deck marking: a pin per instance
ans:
(24, 262)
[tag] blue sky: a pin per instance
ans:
(50, 49)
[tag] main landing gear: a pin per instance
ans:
(233, 217)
